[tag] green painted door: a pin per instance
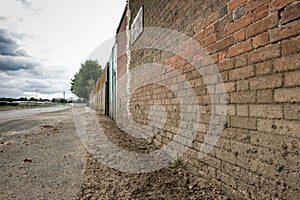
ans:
(114, 81)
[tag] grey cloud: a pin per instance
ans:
(21, 74)
(11, 92)
(10, 63)
(12, 56)
(42, 90)
(9, 46)
(36, 83)
(2, 18)
(27, 81)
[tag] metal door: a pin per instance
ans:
(114, 77)
(114, 94)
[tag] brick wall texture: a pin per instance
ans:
(255, 45)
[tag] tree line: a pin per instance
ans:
(84, 81)
(54, 100)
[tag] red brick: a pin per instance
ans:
(209, 30)
(222, 23)
(242, 110)
(253, 4)
(210, 79)
(230, 110)
(199, 28)
(239, 35)
(229, 87)
(199, 36)
(292, 79)
(223, 55)
(241, 73)
(225, 76)
(261, 40)
(260, 13)
(264, 96)
(209, 40)
(222, 32)
(240, 23)
(173, 59)
(265, 125)
(266, 111)
(233, 4)
(285, 31)
(235, 134)
(287, 63)
(221, 44)
(243, 122)
(278, 4)
(197, 56)
(243, 97)
(241, 60)
(262, 25)
(292, 111)
(265, 53)
(209, 60)
(264, 82)
(287, 95)
(290, 13)
(263, 68)
(226, 65)
(287, 128)
(265, 140)
(228, 179)
(242, 85)
(211, 19)
(290, 46)
(240, 48)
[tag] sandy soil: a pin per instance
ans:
(42, 157)
(102, 182)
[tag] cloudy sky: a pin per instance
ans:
(43, 42)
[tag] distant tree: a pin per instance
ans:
(55, 100)
(84, 80)
(62, 101)
(32, 99)
(22, 99)
(81, 100)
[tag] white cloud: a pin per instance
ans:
(57, 36)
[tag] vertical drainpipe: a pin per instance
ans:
(128, 58)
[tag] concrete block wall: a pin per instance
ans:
(255, 46)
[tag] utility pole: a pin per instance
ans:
(36, 93)
(64, 97)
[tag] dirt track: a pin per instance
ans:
(43, 158)
(40, 157)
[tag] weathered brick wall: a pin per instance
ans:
(121, 46)
(97, 96)
(122, 61)
(255, 46)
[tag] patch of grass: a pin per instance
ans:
(147, 142)
(177, 163)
